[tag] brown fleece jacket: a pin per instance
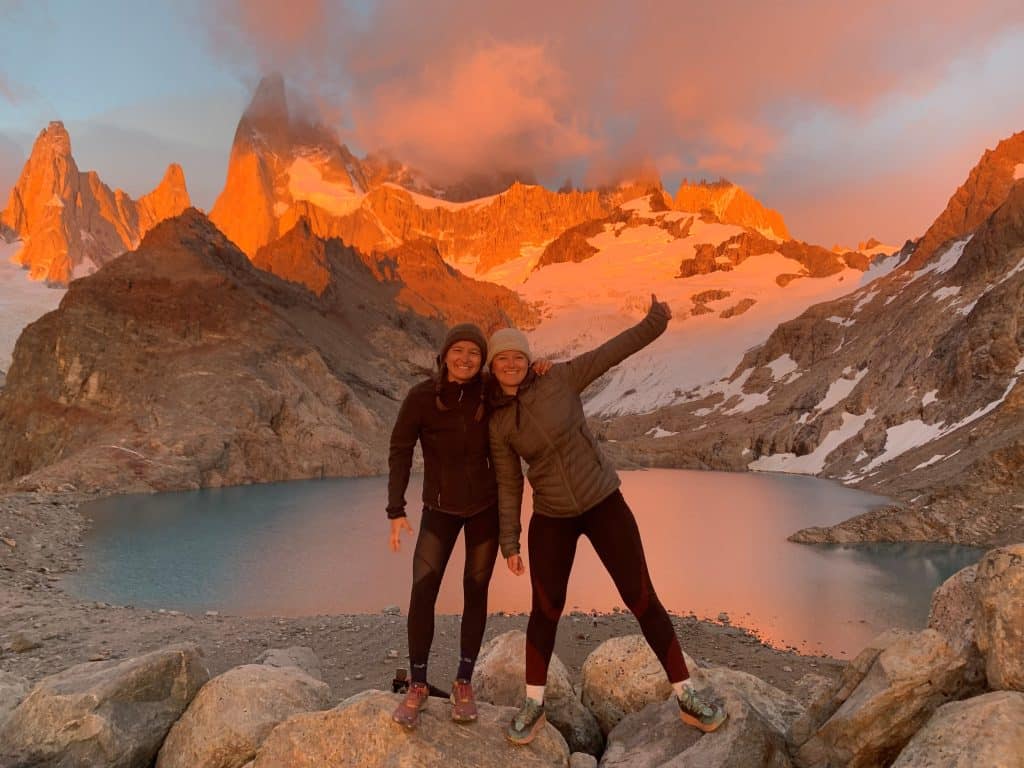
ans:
(457, 474)
(544, 425)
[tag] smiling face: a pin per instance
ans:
(509, 368)
(463, 361)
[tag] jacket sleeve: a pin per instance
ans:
(509, 472)
(582, 370)
(403, 440)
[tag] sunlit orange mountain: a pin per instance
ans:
(71, 223)
(732, 205)
(284, 168)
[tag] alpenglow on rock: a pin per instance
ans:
(71, 222)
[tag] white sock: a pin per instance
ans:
(535, 692)
(678, 687)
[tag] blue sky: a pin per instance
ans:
(874, 147)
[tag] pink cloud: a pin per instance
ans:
(598, 88)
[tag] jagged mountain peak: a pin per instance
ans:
(985, 189)
(732, 204)
(70, 222)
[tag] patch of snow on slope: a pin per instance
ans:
(22, 301)
(864, 301)
(945, 293)
(657, 432)
(913, 434)
(782, 366)
(1012, 272)
(930, 397)
(586, 303)
(813, 463)
(839, 390)
(426, 202)
(843, 321)
(946, 261)
(305, 182)
(932, 460)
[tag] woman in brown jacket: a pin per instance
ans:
(448, 415)
(575, 492)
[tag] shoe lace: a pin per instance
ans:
(527, 714)
(695, 704)
(463, 690)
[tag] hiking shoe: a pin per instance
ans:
(408, 712)
(527, 721)
(463, 703)
(693, 710)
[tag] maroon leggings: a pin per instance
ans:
(612, 530)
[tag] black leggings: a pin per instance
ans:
(612, 530)
(438, 532)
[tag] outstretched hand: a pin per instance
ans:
(542, 366)
(398, 524)
(515, 564)
(663, 304)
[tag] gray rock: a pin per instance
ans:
(622, 675)
(299, 656)
(110, 713)
(999, 616)
(904, 685)
(953, 609)
(360, 733)
(233, 713)
(12, 691)
(498, 679)
(984, 731)
(828, 698)
(21, 642)
(655, 737)
(582, 760)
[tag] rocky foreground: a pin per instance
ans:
(94, 684)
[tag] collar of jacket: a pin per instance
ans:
(499, 399)
(449, 390)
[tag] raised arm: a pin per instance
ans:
(509, 472)
(582, 370)
(403, 440)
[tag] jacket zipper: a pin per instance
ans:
(558, 459)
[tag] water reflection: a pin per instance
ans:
(715, 542)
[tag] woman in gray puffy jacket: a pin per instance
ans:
(575, 492)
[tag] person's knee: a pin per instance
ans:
(426, 583)
(639, 600)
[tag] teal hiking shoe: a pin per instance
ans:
(693, 710)
(527, 722)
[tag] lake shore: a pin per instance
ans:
(42, 537)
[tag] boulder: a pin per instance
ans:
(498, 679)
(360, 733)
(299, 656)
(828, 698)
(954, 605)
(986, 730)
(12, 691)
(622, 675)
(582, 760)
(952, 608)
(233, 713)
(752, 736)
(999, 616)
(111, 713)
(907, 681)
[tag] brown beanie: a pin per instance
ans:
(464, 332)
